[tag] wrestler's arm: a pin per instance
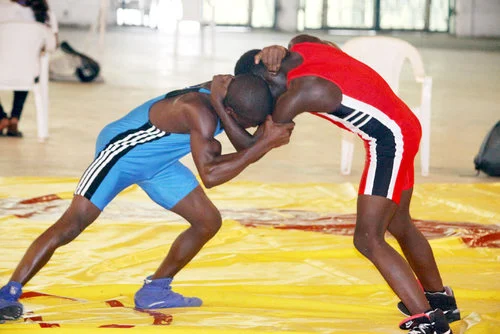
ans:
(273, 55)
(307, 94)
(215, 168)
(238, 136)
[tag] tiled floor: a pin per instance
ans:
(139, 64)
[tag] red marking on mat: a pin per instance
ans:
(114, 303)
(31, 214)
(32, 294)
(160, 319)
(34, 318)
(41, 199)
(48, 325)
(472, 234)
(116, 326)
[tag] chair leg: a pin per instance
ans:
(346, 153)
(42, 118)
(176, 38)
(425, 143)
(202, 38)
(425, 120)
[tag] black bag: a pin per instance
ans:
(488, 158)
(88, 69)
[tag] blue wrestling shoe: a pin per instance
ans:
(10, 308)
(157, 293)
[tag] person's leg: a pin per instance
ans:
(80, 214)
(4, 120)
(204, 220)
(17, 109)
(415, 246)
(418, 252)
(374, 214)
(18, 104)
(177, 190)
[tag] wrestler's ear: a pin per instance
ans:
(230, 111)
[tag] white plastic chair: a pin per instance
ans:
(24, 67)
(192, 10)
(386, 55)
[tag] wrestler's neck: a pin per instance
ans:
(291, 61)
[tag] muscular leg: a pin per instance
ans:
(373, 217)
(205, 221)
(80, 214)
(415, 246)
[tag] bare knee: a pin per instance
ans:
(367, 243)
(76, 219)
(209, 224)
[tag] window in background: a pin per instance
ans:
(440, 13)
(263, 13)
(313, 13)
(350, 14)
(406, 15)
(131, 12)
(232, 12)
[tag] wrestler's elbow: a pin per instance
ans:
(210, 177)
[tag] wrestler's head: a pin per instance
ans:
(246, 64)
(249, 100)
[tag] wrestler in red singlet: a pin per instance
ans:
(389, 129)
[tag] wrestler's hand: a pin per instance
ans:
(218, 90)
(271, 56)
(276, 134)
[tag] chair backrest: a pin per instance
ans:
(20, 46)
(386, 55)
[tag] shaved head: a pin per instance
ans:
(249, 96)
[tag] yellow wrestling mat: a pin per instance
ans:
(282, 262)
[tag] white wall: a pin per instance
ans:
(478, 18)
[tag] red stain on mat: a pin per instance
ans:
(32, 294)
(159, 319)
(48, 325)
(41, 199)
(116, 326)
(472, 234)
(34, 318)
(114, 303)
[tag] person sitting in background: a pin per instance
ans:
(29, 11)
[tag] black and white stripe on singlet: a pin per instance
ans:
(120, 145)
(111, 154)
(384, 139)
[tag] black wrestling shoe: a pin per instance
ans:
(442, 300)
(432, 322)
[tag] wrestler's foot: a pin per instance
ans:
(10, 308)
(432, 322)
(443, 300)
(157, 293)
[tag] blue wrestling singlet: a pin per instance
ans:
(131, 150)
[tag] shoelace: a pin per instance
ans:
(422, 328)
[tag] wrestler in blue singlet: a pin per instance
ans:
(131, 150)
